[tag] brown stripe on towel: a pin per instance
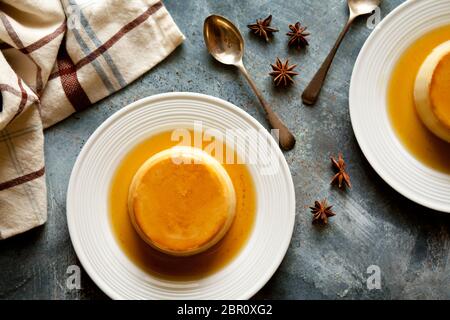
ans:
(45, 40)
(23, 179)
(24, 98)
(14, 91)
(18, 42)
(11, 32)
(69, 80)
(116, 37)
(10, 89)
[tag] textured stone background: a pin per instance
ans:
(374, 224)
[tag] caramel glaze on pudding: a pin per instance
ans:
(440, 91)
(418, 138)
(167, 266)
(182, 201)
(432, 91)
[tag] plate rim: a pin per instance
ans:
(391, 181)
(129, 108)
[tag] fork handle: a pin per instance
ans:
(312, 91)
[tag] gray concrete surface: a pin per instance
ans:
(374, 225)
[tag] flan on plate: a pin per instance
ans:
(181, 201)
(432, 91)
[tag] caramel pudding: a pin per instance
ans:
(419, 139)
(432, 91)
(167, 266)
(181, 201)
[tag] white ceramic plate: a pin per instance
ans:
(88, 217)
(368, 102)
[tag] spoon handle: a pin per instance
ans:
(286, 138)
(312, 91)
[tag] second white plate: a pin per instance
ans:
(368, 102)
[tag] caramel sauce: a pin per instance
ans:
(418, 140)
(160, 264)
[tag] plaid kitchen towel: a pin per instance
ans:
(52, 66)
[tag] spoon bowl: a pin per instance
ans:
(223, 40)
(225, 43)
(361, 7)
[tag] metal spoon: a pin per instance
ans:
(226, 45)
(357, 8)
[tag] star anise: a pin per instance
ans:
(282, 73)
(262, 28)
(341, 176)
(321, 212)
(298, 36)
